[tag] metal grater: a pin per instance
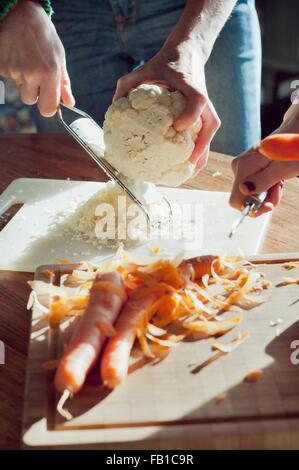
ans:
(91, 137)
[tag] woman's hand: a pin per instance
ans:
(255, 173)
(33, 57)
(180, 67)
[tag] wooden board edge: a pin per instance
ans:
(267, 258)
(195, 437)
(274, 258)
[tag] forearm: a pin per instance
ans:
(200, 24)
(7, 5)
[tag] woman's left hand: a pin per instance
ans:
(255, 173)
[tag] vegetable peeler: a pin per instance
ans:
(91, 137)
(251, 204)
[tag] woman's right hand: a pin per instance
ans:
(33, 57)
(181, 67)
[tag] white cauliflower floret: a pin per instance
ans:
(140, 140)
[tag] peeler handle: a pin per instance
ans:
(255, 201)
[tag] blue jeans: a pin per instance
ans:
(105, 39)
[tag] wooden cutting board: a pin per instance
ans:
(38, 228)
(177, 403)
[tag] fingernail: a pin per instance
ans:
(249, 185)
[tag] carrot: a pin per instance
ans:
(168, 274)
(201, 265)
(47, 274)
(280, 147)
(169, 310)
(63, 261)
(62, 308)
(115, 360)
(104, 305)
(253, 376)
(212, 328)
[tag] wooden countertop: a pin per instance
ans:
(57, 156)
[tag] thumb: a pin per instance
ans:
(127, 82)
(66, 90)
(264, 179)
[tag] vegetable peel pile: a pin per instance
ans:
(124, 301)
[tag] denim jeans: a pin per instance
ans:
(105, 39)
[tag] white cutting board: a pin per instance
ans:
(28, 240)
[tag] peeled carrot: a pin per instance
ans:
(280, 147)
(107, 296)
(202, 265)
(115, 360)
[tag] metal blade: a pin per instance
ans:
(239, 220)
(91, 137)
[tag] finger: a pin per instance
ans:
(201, 162)
(210, 125)
(197, 151)
(272, 200)
(235, 165)
(266, 207)
(242, 166)
(195, 104)
(66, 90)
(236, 199)
(17, 82)
(133, 80)
(29, 93)
(49, 96)
(275, 193)
(127, 82)
(263, 180)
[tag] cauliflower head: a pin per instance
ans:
(140, 140)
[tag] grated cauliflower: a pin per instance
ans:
(83, 221)
(140, 140)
